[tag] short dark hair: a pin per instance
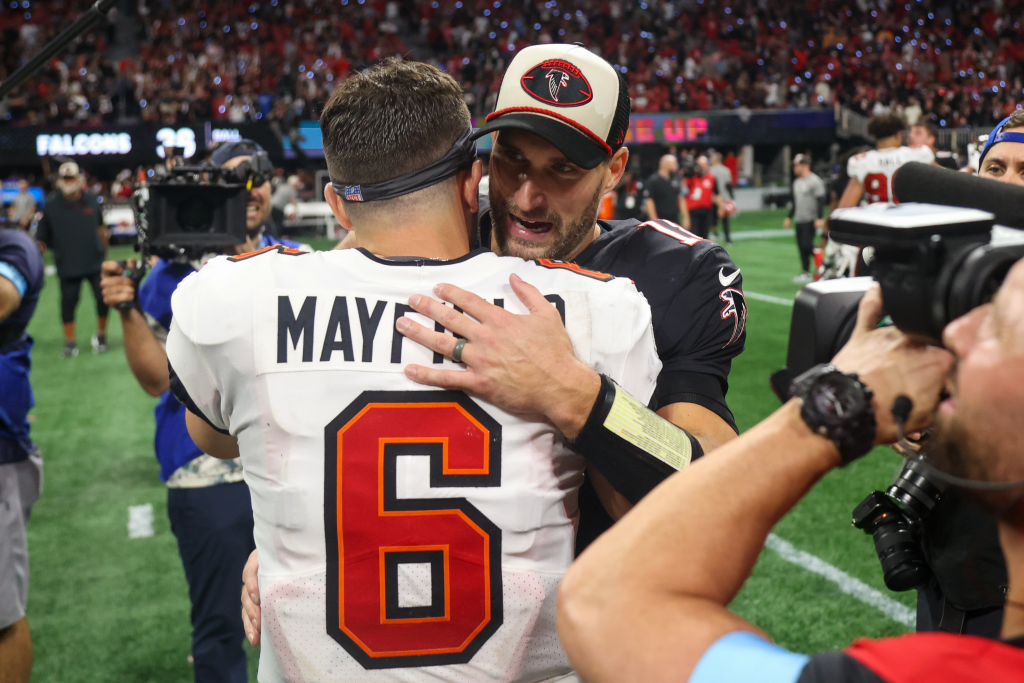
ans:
(391, 119)
(885, 126)
(928, 125)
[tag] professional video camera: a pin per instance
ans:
(934, 264)
(191, 210)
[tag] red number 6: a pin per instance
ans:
(370, 531)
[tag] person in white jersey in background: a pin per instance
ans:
(404, 533)
(871, 175)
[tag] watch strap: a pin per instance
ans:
(855, 435)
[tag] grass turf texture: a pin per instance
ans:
(104, 608)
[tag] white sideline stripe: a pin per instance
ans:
(759, 234)
(846, 583)
(140, 521)
(770, 299)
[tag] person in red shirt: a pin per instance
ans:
(703, 198)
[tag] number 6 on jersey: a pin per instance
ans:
(411, 582)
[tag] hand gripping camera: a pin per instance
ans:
(934, 264)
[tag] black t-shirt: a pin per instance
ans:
(71, 229)
(665, 193)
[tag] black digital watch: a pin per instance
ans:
(838, 407)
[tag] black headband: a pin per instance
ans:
(459, 158)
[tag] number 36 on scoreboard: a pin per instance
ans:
(372, 534)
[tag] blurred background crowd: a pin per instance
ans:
(181, 61)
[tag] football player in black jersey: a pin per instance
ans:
(559, 123)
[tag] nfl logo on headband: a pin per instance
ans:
(353, 193)
(567, 95)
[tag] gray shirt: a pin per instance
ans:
(724, 177)
(24, 205)
(808, 195)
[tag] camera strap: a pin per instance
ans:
(459, 158)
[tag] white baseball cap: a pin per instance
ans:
(567, 95)
(68, 169)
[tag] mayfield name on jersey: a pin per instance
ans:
(405, 533)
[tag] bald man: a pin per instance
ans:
(662, 195)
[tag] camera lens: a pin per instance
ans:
(195, 214)
(903, 565)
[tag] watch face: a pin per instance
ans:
(835, 398)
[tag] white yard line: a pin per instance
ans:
(847, 584)
(140, 521)
(770, 299)
(759, 234)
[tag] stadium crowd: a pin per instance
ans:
(954, 63)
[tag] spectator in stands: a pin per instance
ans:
(23, 206)
(271, 61)
(662, 193)
(72, 226)
(809, 198)
(724, 179)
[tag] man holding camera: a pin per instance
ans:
(626, 602)
(207, 501)
(21, 468)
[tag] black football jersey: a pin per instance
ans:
(698, 313)
(696, 296)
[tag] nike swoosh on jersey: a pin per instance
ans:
(727, 280)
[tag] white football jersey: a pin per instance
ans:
(875, 169)
(405, 533)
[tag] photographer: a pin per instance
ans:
(207, 501)
(652, 579)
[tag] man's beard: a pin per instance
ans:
(953, 450)
(68, 188)
(567, 236)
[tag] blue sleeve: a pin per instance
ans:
(743, 656)
(14, 275)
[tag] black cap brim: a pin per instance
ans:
(577, 146)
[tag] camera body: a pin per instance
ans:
(934, 264)
(192, 210)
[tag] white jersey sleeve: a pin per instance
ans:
(212, 321)
(625, 338)
(922, 155)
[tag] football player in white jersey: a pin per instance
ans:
(871, 175)
(404, 534)
(871, 172)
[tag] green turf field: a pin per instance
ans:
(103, 607)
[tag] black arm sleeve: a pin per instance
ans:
(633, 463)
(181, 393)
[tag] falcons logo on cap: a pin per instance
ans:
(557, 79)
